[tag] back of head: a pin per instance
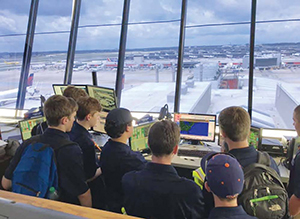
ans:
(56, 107)
(74, 92)
(117, 121)
(297, 113)
(163, 137)
(225, 176)
(235, 123)
(87, 105)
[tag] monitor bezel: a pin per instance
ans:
(19, 123)
(108, 88)
(200, 114)
(75, 85)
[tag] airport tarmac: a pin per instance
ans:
(263, 100)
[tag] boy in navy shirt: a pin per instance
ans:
(87, 116)
(225, 179)
(60, 113)
(117, 158)
(157, 191)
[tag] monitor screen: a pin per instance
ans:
(59, 88)
(254, 137)
(99, 127)
(27, 125)
(139, 139)
(106, 96)
(199, 127)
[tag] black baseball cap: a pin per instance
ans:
(119, 116)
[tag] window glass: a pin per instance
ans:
(151, 55)
(277, 63)
(13, 25)
(98, 42)
(49, 51)
(217, 38)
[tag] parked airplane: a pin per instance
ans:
(11, 63)
(10, 96)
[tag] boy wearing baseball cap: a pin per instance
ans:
(225, 179)
(117, 158)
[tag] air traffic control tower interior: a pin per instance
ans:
(196, 57)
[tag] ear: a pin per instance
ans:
(175, 150)
(207, 187)
(64, 120)
(88, 117)
(127, 128)
(223, 134)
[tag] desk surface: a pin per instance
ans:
(194, 162)
(60, 206)
(190, 162)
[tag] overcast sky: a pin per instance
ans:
(55, 15)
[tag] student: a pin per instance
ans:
(234, 123)
(157, 191)
(117, 158)
(225, 180)
(294, 182)
(88, 114)
(60, 113)
(72, 92)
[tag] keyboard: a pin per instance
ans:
(192, 153)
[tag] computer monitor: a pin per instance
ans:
(59, 88)
(254, 137)
(139, 139)
(99, 127)
(196, 127)
(106, 96)
(27, 125)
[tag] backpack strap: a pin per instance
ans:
(264, 158)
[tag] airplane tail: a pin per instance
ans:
(30, 80)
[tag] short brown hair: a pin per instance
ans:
(297, 113)
(57, 107)
(163, 137)
(235, 123)
(87, 105)
(74, 92)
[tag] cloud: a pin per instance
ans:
(55, 15)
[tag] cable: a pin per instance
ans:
(243, 22)
(159, 22)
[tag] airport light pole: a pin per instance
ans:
(122, 50)
(251, 57)
(72, 41)
(27, 54)
(180, 57)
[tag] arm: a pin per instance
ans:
(6, 183)
(98, 173)
(294, 205)
(85, 199)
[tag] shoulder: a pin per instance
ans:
(191, 185)
(130, 178)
